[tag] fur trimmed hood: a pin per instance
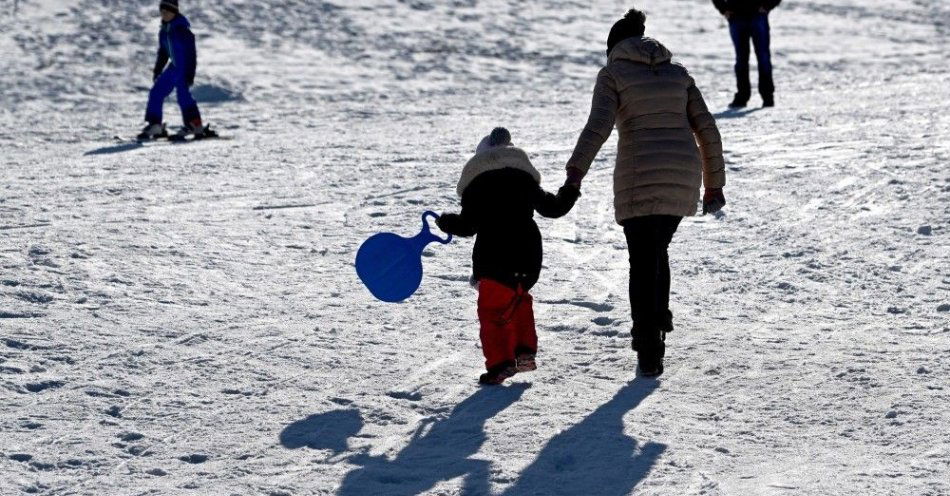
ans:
(507, 157)
(643, 50)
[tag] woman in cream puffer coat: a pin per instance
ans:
(669, 147)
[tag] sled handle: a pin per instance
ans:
(428, 232)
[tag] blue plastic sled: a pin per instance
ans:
(391, 266)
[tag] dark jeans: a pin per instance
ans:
(648, 238)
(742, 30)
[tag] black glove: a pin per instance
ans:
(443, 221)
(713, 200)
(449, 223)
(455, 225)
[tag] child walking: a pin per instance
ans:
(500, 191)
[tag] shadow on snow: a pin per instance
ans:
(121, 147)
(323, 431)
(439, 450)
(594, 455)
(735, 113)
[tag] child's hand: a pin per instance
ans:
(444, 221)
(568, 194)
(455, 225)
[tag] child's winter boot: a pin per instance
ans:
(497, 375)
(525, 362)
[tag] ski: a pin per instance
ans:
(206, 134)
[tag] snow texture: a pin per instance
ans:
(185, 319)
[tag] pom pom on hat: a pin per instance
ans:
(632, 25)
(499, 137)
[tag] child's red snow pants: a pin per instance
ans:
(507, 323)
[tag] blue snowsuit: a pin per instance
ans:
(176, 43)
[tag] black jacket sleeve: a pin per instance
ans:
(771, 4)
(720, 5)
(161, 60)
(456, 225)
(554, 206)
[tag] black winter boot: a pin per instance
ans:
(651, 348)
(739, 101)
(768, 101)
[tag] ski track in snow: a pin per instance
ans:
(185, 319)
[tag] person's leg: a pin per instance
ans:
(667, 226)
(761, 40)
(641, 244)
(498, 340)
(160, 90)
(523, 322)
(189, 107)
(740, 33)
(646, 240)
(526, 346)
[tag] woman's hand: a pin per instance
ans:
(574, 177)
(713, 200)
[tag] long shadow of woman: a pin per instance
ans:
(594, 456)
(439, 451)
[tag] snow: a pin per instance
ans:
(185, 319)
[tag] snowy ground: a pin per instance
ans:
(165, 328)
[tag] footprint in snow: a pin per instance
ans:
(194, 458)
(37, 387)
(597, 307)
(405, 395)
(603, 321)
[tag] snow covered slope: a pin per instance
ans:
(186, 319)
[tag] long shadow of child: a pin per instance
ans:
(440, 450)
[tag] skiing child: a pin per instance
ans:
(500, 191)
(176, 44)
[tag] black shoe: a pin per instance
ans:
(738, 102)
(768, 101)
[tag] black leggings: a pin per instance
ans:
(648, 238)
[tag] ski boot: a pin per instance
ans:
(194, 129)
(152, 132)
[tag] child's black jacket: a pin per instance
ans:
(498, 208)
